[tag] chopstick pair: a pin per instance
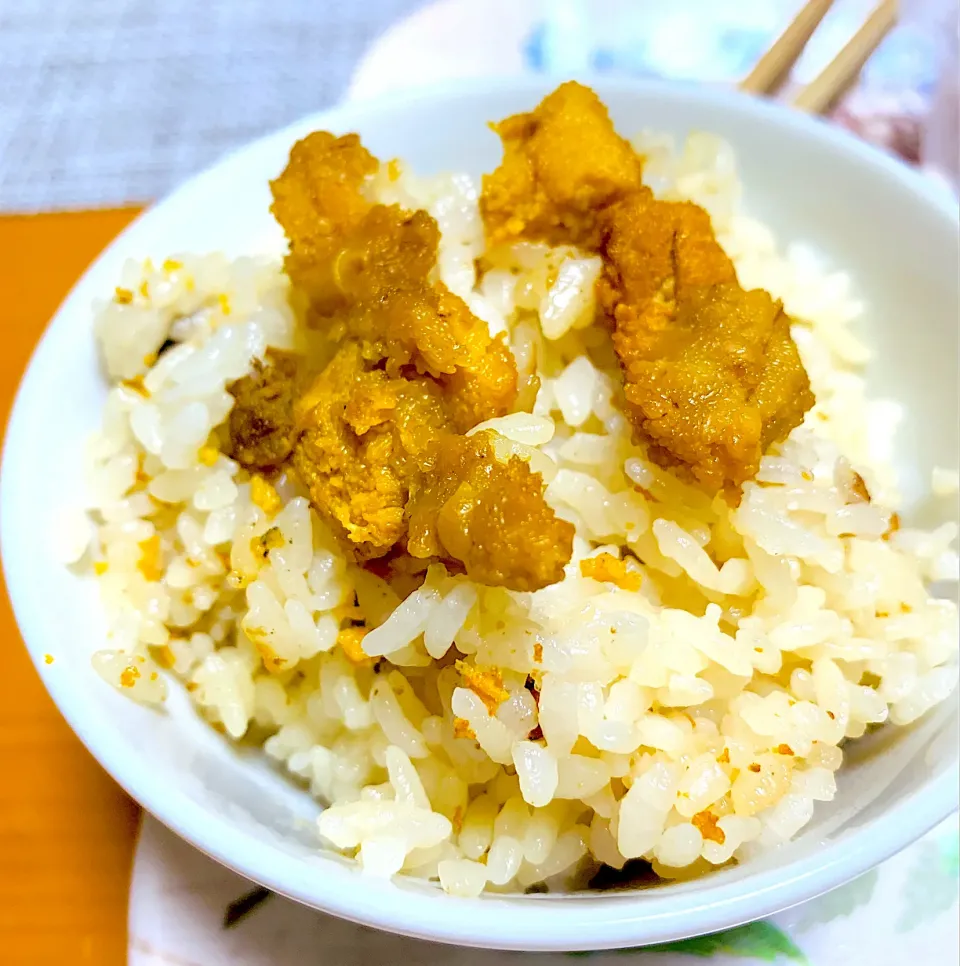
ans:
(837, 76)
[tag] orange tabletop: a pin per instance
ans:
(67, 832)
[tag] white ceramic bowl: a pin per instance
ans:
(868, 215)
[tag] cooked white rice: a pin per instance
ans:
(688, 722)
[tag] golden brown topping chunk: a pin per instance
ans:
(712, 375)
(427, 330)
(365, 269)
(484, 389)
(361, 435)
(388, 250)
(261, 426)
(562, 163)
(411, 367)
(317, 198)
(657, 250)
(488, 514)
(712, 381)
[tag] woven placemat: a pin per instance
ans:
(111, 102)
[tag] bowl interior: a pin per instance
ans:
(863, 213)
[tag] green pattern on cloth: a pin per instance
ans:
(841, 902)
(934, 881)
(950, 854)
(760, 941)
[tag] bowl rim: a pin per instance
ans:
(572, 922)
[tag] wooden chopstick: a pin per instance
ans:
(782, 55)
(834, 79)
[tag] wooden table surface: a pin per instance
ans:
(67, 832)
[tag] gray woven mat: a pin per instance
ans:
(104, 102)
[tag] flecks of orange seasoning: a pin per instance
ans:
(859, 488)
(350, 640)
(607, 567)
(894, 525)
(706, 822)
(150, 564)
(142, 478)
(136, 385)
(271, 660)
(485, 682)
(457, 820)
(123, 295)
(783, 749)
(261, 546)
(163, 655)
(462, 729)
(208, 455)
(129, 675)
(724, 758)
(538, 652)
(264, 495)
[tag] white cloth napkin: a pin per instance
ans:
(186, 910)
